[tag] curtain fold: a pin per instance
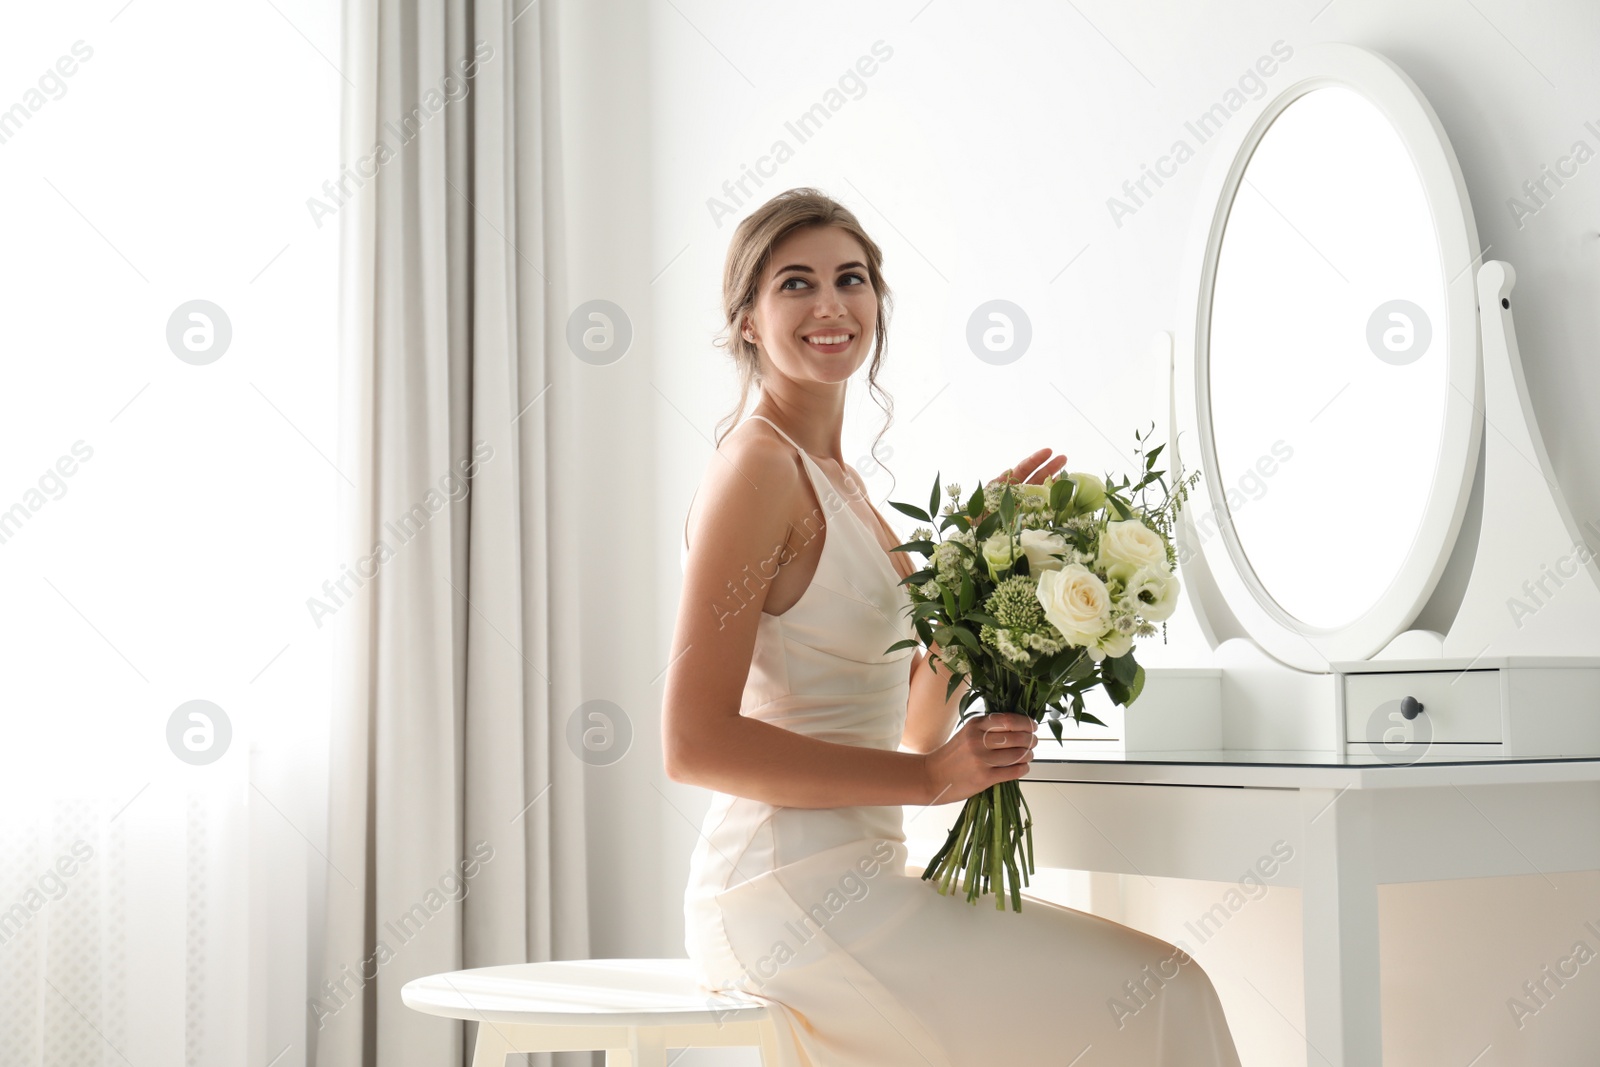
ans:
(455, 836)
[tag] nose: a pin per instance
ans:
(828, 303)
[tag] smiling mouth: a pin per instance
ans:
(837, 345)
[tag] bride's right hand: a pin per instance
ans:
(988, 749)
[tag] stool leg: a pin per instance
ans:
(645, 1049)
(491, 1047)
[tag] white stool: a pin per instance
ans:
(633, 1009)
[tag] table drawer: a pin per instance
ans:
(1457, 706)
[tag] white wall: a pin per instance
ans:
(981, 154)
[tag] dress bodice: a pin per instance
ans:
(820, 668)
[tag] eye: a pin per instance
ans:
(784, 287)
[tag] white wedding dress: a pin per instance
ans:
(864, 965)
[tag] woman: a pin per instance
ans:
(781, 700)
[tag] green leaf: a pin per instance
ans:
(967, 592)
(910, 642)
(910, 509)
(1084, 716)
(925, 547)
(975, 501)
(1008, 507)
(1060, 493)
(933, 499)
(1124, 668)
(950, 690)
(1136, 686)
(965, 637)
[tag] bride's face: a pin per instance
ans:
(816, 285)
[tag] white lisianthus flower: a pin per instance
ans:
(996, 553)
(1113, 644)
(1077, 603)
(1127, 545)
(1090, 494)
(1153, 592)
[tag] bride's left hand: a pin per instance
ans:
(1031, 469)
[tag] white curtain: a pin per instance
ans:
(456, 823)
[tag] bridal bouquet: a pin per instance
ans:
(1034, 599)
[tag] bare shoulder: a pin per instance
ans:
(752, 483)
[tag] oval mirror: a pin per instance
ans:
(1334, 369)
(1323, 359)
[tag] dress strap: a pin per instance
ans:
(783, 435)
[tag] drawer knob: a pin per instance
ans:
(1410, 707)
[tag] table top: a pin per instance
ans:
(1298, 768)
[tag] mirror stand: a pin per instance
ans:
(1534, 588)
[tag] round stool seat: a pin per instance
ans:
(631, 1007)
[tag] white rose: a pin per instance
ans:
(1127, 545)
(1038, 546)
(1153, 592)
(1076, 602)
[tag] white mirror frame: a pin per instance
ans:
(1227, 595)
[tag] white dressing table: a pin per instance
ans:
(1195, 815)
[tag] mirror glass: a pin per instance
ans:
(1326, 357)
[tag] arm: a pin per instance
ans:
(930, 718)
(740, 538)
(755, 759)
